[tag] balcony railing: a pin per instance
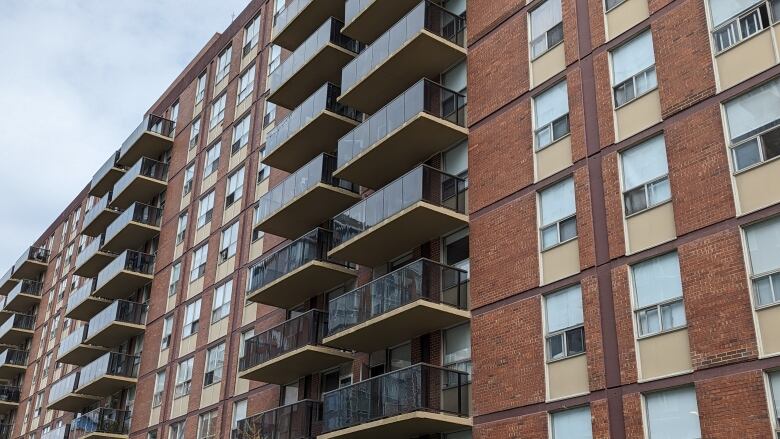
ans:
(82, 305)
(137, 264)
(16, 300)
(288, 14)
(10, 394)
(305, 330)
(294, 421)
(61, 432)
(150, 124)
(113, 364)
(103, 421)
(299, 18)
(121, 311)
(7, 282)
(144, 167)
(90, 250)
(137, 214)
(31, 263)
(24, 322)
(13, 357)
(106, 176)
(99, 216)
(421, 387)
(72, 341)
(63, 387)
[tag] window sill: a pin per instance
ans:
(560, 244)
(180, 396)
(558, 360)
(660, 333)
(636, 98)
(537, 149)
(755, 166)
(206, 386)
(768, 306)
(549, 49)
(608, 10)
(653, 207)
(744, 40)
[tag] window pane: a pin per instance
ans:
(457, 344)
(747, 154)
(771, 142)
(568, 229)
(636, 200)
(763, 242)
(545, 17)
(549, 236)
(673, 414)
(555, 347)
(575, 341)
(723, 10)
(551, 105)
(673, 315)
(572, 424)
(763, 289)
(657, 280)
(632, 57)
(564, 309)
(649, 322)
(644, 163)
(774, 382)
(557, 202)
(659, 192)
(755, 110)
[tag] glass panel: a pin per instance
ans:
(657, 280)
(557, 202)
(659, 192)
(763, 290)
(632, 57)
(551, 104)
(644, 163)
(572, 424)
(673, 414)
(763, 240)
(754, 111)
(564, 309)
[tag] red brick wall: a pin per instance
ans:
(613, 202)
(524, 427)
(624, 324)
(484, 14)
(734, 406)
(593, 341)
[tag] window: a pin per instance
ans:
(191, 319)
(558, 214)
(174, 116)
(264, 170)
(217, 111)
(220, 307)
(189, 176)
(456, 251)
(736, 20)
(207, 425)
(753, 121)
(181, 227)
(173, 282)
(612, 4)
(274, 58)
(176, 431)
(239, 412)
(774, 390)
(257, 234)
(658, 295)
(46, 364)
(456, 161)
(215, 358)
(55, 323)
(763, 242)
(159, 389)
(240, 135)
(571, 424)
(229, 242)
(564, 319)
(244, 337)
(270, 113)
(251, 35)
(645, 176)
(223, 64)
(38, 405)
(633, 69)
(195, 133)
(673, 414)
(183, 378)
(546, 27)
(246, 84)
(153, 435)
(457, 348)
(211, 164)
(165, 343)
(200, 88)
(235, 187)
(551, 116)
(205, 209)
(290, 391)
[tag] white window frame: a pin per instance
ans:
(771, 277)
(167, 332)
(191, 319)
(644, 74)
(569, 411)
(228, 242)
(648, 410)
(563, 334)
(235, 187)
(264, 171)
(189, 178)
(199, 257)
(175, 279)
(220, 305)
(215, 365)
(246, 84)
(223, 64)
(217, 111)
(205, 209)
(159, 388)
(200, 87)
(754, 138)
(183, 378)
(559, 224)
(643, 312)
(211, 163)
(181, 226)
(251, 35)
(240, 134)
(647, 187)
(551, 37)
(550, 126)
(746, 24)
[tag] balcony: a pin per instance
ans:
(297, 272)
(416, 401)
(9, 398)
(300, 18)
(367, 19)
(310, 130)
(417, 299)
(31, 264)
(61, 432)
(319, 59)
(136, 225)
(151, 138)
(305, 199)
(294, 421)
(418, 207)
(423, 44)
(63, 396)
(144, 181)
(425, 120)
(109, 374)
(74, 350)
(4, 313)
(82, 305)
(24, 295)
(92, 258)
(101, 423)
(105, 178)
(124, 275)
(12, 363)
(290, 350)
(17, 329)
(117, 323)
(99, 216)
(7, 282)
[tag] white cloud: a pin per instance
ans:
(78, 76)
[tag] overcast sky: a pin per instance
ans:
(77, 77)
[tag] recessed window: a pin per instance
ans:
(228, 243)
(183, 380)
(736, 20)
(200, 88)
(251, 35)
(181, 227)
(246, 335)
(211, 164)
(246, 84)
(673, 414)
(189, 176)
(774, 390)
(565, 323)
(215, 359)
(217, 112)
(173, 282)
(191, 319)
(240, 135)
(270, 113)
(274, 58)
(633, 69)
(753, 121)
(558, 214)
(571, 424)
(223, 64)
(763, 242)
(220, 307)
(551, 116)
(207, 425)
(612, 4)
(165, 342)
(457, 348)
(199, 262)
(645, 176)
(264, 170)
(235, 187)
(239, 412)
(546, 27)
(658, 295)
(159, 389)
(205, 209)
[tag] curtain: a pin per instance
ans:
(758, 108)
(551, 105)
(644, 163)
(723, 10)
(564, 309)
(632, 57)
(763, 242)
(657, 280)
(572, 424)
(545, 17)
(557, 202)
(673, 414)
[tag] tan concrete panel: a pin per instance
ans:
(171, 302)
(231, 212)
(664, 355)
(627, 15)
(202, 233)
(208, 182)
(225, 269)
(179, 406)
(758, 187)
(560, 262)
(195, 287)
(650, 228)
(261, 188)
(187, 345)
(567, 377)
(221, 85)
(210, 395)
(553, 158)
(164, 357)
(237, 158)
(154, 416)
(250, 314)
(214, 133)
(745, 60)
(548, 65)
(218, 329)
(638, 115)
(769, 327)
(249, 57)
(185, 200)
(178, 251)
(198, 108)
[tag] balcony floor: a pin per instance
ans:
(418, 223)
(122, 285)
(293, 365)
(107, 385)
(150, 145)
(107, 182)
(100, 222)
(8, 406)
(88, 308)
(72, 402)
(407, 425)
(303, 283)
(306, 22)
(308, 210)
(132, 235)
(140, 189)
(82, 354)
(396, 326)
(22, 302)
(5, 315)
(378, 16)
(8, 285)
(92, 266)
(15, 337)
(115, 333)
(29, 269)
(9, 371)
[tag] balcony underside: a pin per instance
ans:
(377, 18)
(107, 182)
(15, 337)
(132, 235)
(73, 402)
(100, 435)
(87, 309)
(295, 364)
(424, 56)
(301, 284)
(8, 406)
(101, 221)
(5, 315)
(107, 385)
(317, 137)
(29, 269)
(413, 226)
(115, 333)
(308, 210)
(82, 354)
(406, 147)
(122, 285)
(323, 67)
(141, 189)
(306, 22)
(8, 371)
(92, 266)
(402, 426)
(8, 285)
(20, 303)
(394, 327)
(150, 144)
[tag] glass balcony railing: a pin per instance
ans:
(294, 421)
(92, 227)
(26, 287)
(90, 250)
(422, 184)
(60, 432)
(29, 263)
(319, 170)
(145, 167)
(63, 387)
(10, 394)
(424, 97)
(425, 16)
(82, 294)
(324, 99)
(423, 279)
(288, 14)
(353, 8)
(421, 387)
(121, 311)
(7, 276)
(100, 184)
(151, 123)
(13, 357)
(129, 260)
(307, 329)
(72, 341)
(329, 32)
(24, 322)
(101, 422)
(110, 364)
(137, 213)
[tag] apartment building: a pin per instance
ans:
(314, 233)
